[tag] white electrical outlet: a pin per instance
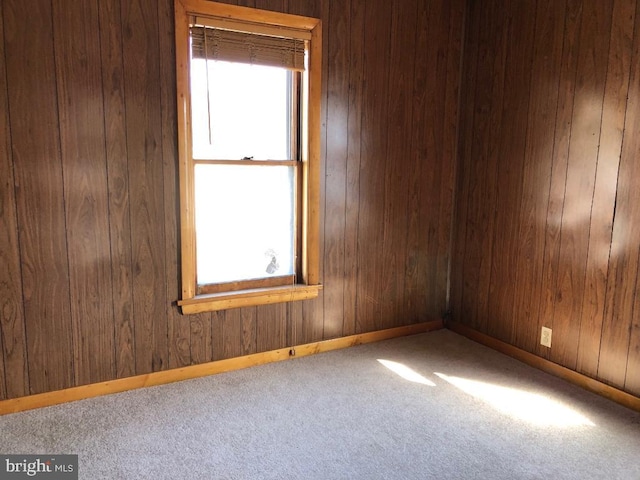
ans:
(545, 337)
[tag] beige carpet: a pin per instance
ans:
(434, 405)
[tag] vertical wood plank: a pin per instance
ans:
(249, 330)
(564, 113)
(372, 166)
(39, 193)
(493, 43)
(543, 101)
(200, 338)
(312, 319)
(233, 333)
(396, 174)
(271, 327)
(457, 302)
(583, 153)
(188, 336)
(415, 268)
(3, 386)
(118, 185)
(144, 145)
(305, 8)
(632, 379)
(275, 5)
(9, 229)
(453, 51)
(226, 338)
(354, 129)
(509, 169)
(337, 112)
(82, 138)
(295, 324)
(620, 316)
(604, 195)
(14, 376)
(437, 164)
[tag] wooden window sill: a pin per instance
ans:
(248, 298)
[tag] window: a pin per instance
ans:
(249, 150)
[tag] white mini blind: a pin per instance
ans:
(246, 47)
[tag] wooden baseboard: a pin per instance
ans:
(194, 371)
(588, 383)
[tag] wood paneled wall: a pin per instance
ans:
(89, 246)
(547, 224)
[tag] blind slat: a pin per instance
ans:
(254, 28)
(244, 47)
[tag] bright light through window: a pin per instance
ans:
(405, 372)
(530, 407)
(246, 111)
(244, 213)
(244, 222)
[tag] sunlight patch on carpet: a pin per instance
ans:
(405, 372)
(530, 407)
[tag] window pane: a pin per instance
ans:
(249, 111)
(244, 222)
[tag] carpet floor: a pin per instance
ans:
(435, 405)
